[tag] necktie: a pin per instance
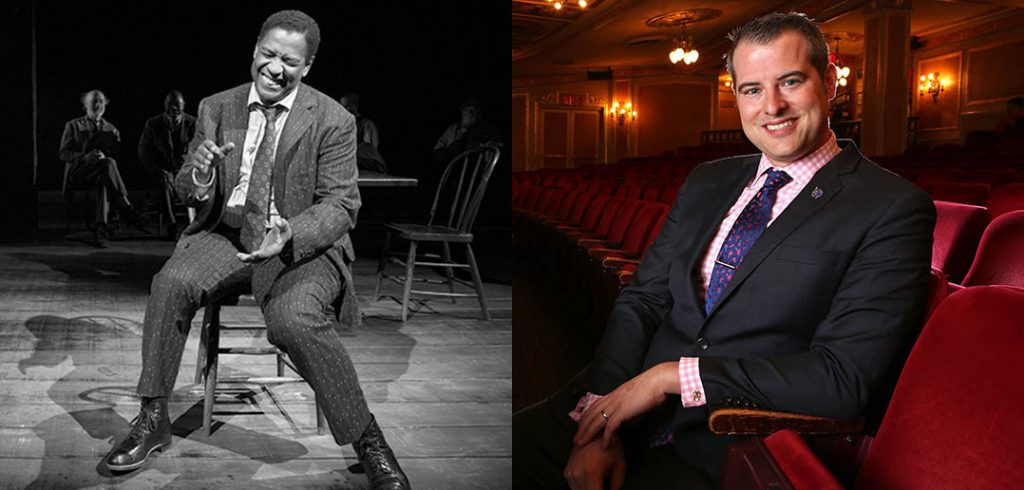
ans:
(257, 198)
(745, 231)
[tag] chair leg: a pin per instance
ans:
(209, 395)
(410, 264)
(447, 251)
(321, 419)
(280, 364)
(381, 264)
(477, 282)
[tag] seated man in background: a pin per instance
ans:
(88, 147)
(367, 156)
(786, 281)
(162, 149)
(470, 132)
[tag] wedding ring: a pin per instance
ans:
(605, 415)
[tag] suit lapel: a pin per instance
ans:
(827, 183)
(299, 120)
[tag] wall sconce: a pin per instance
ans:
(622, 112)
(933, 84)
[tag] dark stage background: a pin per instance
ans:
(412, 63)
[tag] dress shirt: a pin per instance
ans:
(253, 136)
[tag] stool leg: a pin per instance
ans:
(213, 344)
(321, 420)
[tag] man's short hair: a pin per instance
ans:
(295, 21)
(93, 93)
(173, 95)
(767, 28)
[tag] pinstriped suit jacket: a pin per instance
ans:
(314, 176)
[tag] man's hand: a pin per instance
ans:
(632, 399)
(278, 235)
(94, 156)
(208, 154)
(591, 465)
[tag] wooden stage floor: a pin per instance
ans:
(70, 336)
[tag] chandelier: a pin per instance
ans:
(558, 4)
(683, 48)
(842, 71)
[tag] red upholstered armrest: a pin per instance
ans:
(601, 253)
(748, 421)
(591, 242)
(618, 262)
(782, 460)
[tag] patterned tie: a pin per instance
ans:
(257, 198)
(748, 227)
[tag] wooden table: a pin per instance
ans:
(369, 178)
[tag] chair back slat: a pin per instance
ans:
(462, 186)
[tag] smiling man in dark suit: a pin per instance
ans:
(272, 170)
(786, 280)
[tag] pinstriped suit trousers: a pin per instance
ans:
(294, 300)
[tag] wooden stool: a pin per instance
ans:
(210, 349)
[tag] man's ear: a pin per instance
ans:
(309, 66)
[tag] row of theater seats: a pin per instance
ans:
(590, 234)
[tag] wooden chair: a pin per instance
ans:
(71, 207)
(451, 218)
(210, 349)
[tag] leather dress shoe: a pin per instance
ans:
(102, 235)
(379, 461)
(151, 431)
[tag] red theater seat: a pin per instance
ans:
(1005, 198)
(958, 228)
(1000, 257)
(962, 192)
(954, 420)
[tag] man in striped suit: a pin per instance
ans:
(272, 171)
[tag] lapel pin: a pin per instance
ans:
(816, 193)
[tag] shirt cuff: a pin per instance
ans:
(690, 387)
(581, 407)
(202, 192)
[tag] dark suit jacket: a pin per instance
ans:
(314, 176)
(156, 144)
(80, 138)
(812, 318)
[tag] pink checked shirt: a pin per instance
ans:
(691, 388)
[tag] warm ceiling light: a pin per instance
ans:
(683, 49)
(582, 4)
(558, 5)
